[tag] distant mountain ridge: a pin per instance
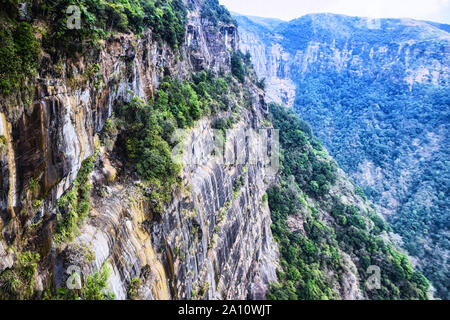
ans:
(269, 23)
(410, 50)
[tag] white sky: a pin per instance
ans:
(433, 10)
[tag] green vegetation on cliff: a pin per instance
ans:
(74, 205)
(312, 255)
(239, 65)
(166, 19)
(147, 128)
(18, 282)
(18, 56)
(60, 36)
(216, 13)
(95, 287)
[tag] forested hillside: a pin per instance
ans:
(324, 228)
(396, 146)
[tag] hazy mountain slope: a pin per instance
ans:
(400, 50)
(376, 92)
(269, 23)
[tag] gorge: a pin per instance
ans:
(141, 159)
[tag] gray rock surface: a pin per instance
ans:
(175, 254)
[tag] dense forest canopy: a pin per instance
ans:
(372, 123)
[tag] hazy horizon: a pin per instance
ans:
(432, 10)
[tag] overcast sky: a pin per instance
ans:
(434, 10)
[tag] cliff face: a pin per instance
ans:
(174, 254)
(208, 243)
(269, 58)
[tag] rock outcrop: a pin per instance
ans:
(188, 252)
